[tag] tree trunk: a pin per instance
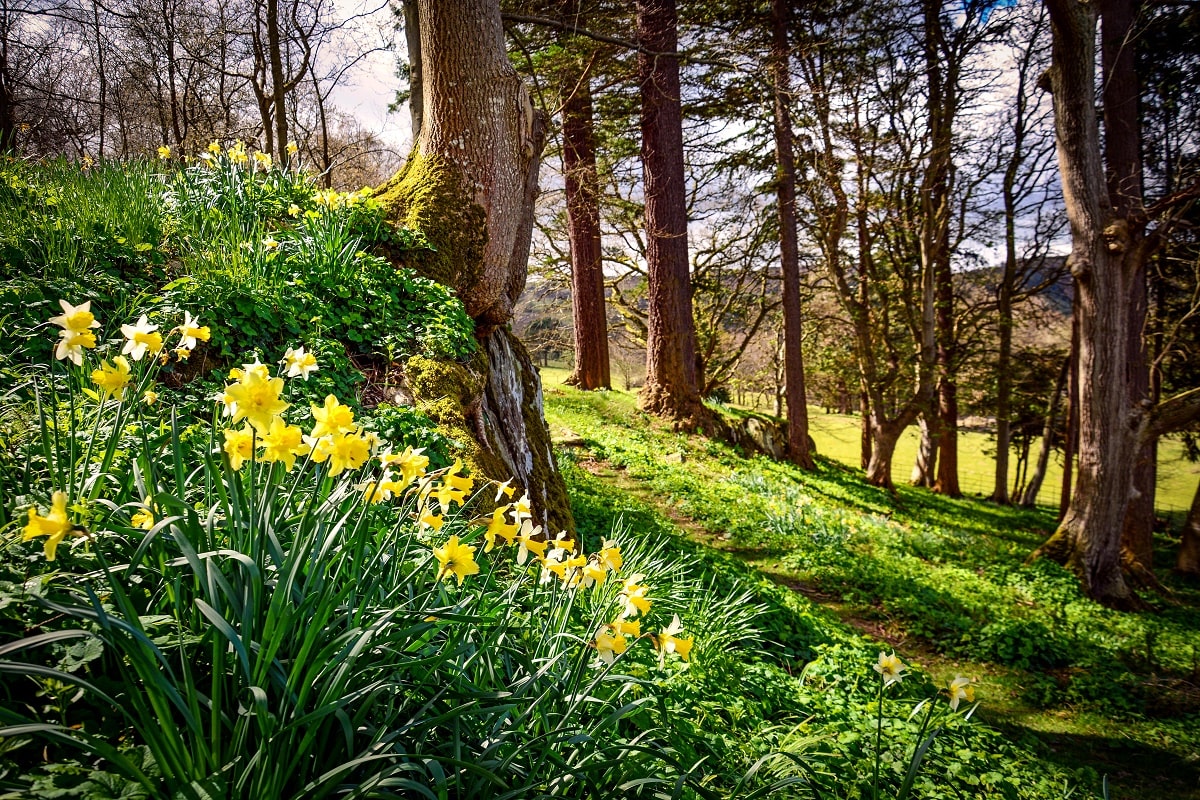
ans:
(583, 229)
(1105, 256)
(1004, 308)
(1071, 444)
(469, 186)
(278, 90)
(925, 467)
(416, 85)
(1188, 562)
(884, 436)
(1029, 497)
(671, 389)
(789, 252)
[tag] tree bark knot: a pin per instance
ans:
(1116, 236)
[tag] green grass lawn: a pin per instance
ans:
(942, 581)
(837, 437)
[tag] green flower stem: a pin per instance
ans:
(878, 740)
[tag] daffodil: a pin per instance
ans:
(270, 243)
(668, 642)
(499, 527)
(342, 450)
(455, 559)
(255, 397)
(141, 338)
(298, 363)
(164, 152)
(609, 645)
(77, 319)
(429, 519)
(333, 417)
(890, 667)
(561, 542)
(627, 627)
(633, 597)
(239, 446)
(144, 519)
(283, 442)
(520, 509)
(214, 147)
(293, 210)
(292, 148)
(112, 378)
(379, 491)
(505, 490)
(190, 332)
(593, 574)
(72, 343)
(460, 483)
(54, 526)
(610, 555)
(528, 544)
(149, 397)
(262, 159)
(446, 494)
(412, 463)
(961, 689)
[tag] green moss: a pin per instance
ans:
(429, 195)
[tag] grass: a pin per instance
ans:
(944, 581)
(837, 438)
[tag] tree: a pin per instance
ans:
(469, 186)
(671, 389)
(789, 255)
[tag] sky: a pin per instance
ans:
(370, 87)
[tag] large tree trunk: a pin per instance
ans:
(1105, 257)
(789, 252)
(1122, 155)
(1188, 562)
(924, 471)
(583, 230)
(469, 186)
(671, 389)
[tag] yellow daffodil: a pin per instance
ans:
(292, 148)
(430, 519)
(164, 152)
(113, 378)
(214, 147)
(239, 446)
(610, 555)
(141, 338)
(412, 464)
(270, 244)
(342, 450)
(593, 574)
(333, 417)
(633, 596)
(528, 544)
(446, 494)
(72, 343)
(182, 353)
(460, 483)
(520, 509)
(668, 642)
(609, 645)
(627, 627)
(283, 442)
(961, 689)
(299, 364)
(256, 397)
(498, 526)
(293, 210)
(149, 397)
(55, 525)
(455, 559)
(262, 159)
(890, 667)
(379, 491)
(561, 542)
(78, 319)
(505, 489)
(554, 565)
(190, 332)
(143, 519)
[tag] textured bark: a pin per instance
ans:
(416, 85)
(469, 185)
(670, 388)
(1071, 445)
(789, 252)
(278, 86)
(1188, 561)
(942, 81)
(583, 229)
(1106, 252)
(924, 471)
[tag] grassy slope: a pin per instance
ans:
(837, 438)
(942, 581)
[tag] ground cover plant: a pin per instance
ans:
(946, 579)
